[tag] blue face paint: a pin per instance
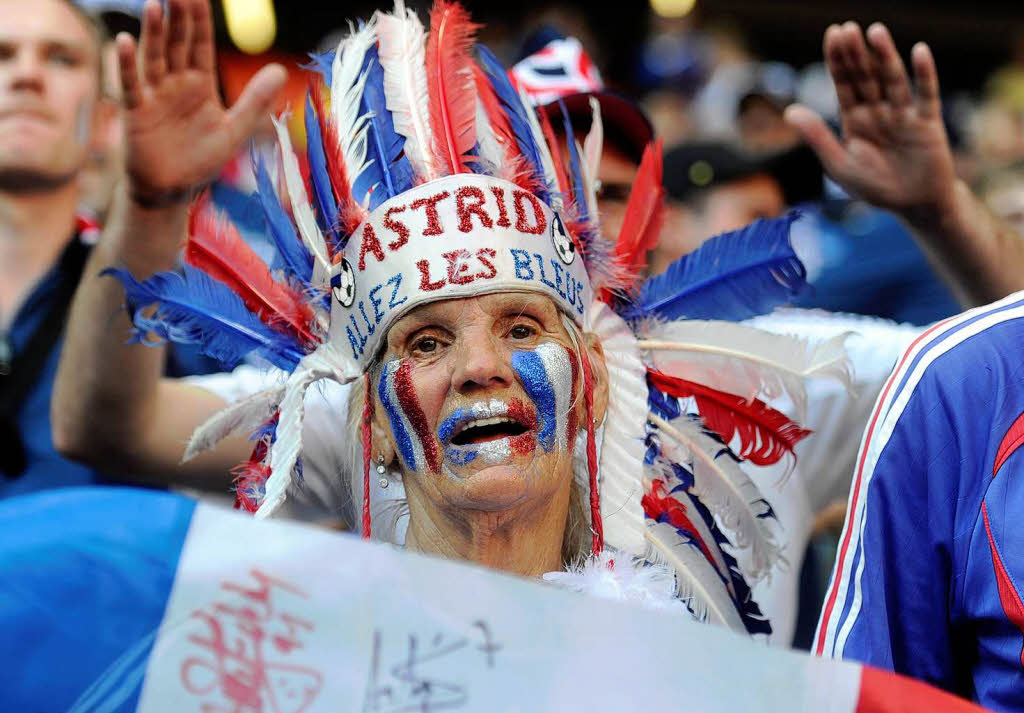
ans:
(389, 400)
(547, 377)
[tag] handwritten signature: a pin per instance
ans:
(403, 687)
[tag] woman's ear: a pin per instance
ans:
(382, 441)
(600, 373)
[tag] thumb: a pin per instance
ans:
(818, 135)
(256, 101)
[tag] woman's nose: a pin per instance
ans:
(481, 362)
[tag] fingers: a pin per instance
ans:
(926, 77)
(836, 62)
(818, 136)
(178, 34)
(895, 85)
(131, 91)
(256, 101)
(153, 65)
(860, 64)
(202, 55)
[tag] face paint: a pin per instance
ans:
(499, 450)
(415, 442)
(548, 374)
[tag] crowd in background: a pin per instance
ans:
(730, 158)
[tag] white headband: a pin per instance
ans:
(458, 236)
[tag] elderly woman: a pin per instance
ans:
(518, 388)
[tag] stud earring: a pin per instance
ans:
(381, 470)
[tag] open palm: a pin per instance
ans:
(178, 133)
(894, 151)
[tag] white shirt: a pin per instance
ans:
(825, 460)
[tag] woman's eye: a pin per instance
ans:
(520, 331)
(425, 345)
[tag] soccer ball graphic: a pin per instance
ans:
(564, 245)
(343, 284)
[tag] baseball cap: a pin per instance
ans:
(562, 69)
(697, 166)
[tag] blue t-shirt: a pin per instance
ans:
(45, 467)
(930, 568)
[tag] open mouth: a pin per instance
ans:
(488, 429)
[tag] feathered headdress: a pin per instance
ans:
(431, 177)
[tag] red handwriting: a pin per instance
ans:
(250, 651)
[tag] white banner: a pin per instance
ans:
(276, 617)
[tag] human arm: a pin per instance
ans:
(894, 153)
(111, 406)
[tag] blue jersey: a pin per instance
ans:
(930, 568)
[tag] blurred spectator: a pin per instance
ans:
(895, 154)
(1002, 190)
(714, 188)
(53, 119)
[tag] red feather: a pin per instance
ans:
(495, 114)
(645, 212)
(498, 119)
(251, 478)
(556, 154)
(217, 248)
(352, 214)
(661, 506)
(766, 435)
(450, 84)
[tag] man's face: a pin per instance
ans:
(616, 174)
(722, 209)
(737, 203)
(49, 87)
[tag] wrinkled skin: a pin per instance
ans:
(509, 514)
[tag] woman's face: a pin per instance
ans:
(480, 399)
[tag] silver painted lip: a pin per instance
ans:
(477, 414)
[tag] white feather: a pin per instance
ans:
(402, 47)
(697, 582)
(746, 361)
(624, 430)
(324, 363)
(589, 188)
(621, 577)
(302, 211)
(347, 82)
(245, 415)
(547, 163)
(726, 490)
(490, 152)
(594, 143)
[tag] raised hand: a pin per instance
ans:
(178, 133)
(894, 151)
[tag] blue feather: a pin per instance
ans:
(733, 276)
(327, 213)
(323, 64)
(518, 119)
(294, 256)
(389, 172)
(196, 309)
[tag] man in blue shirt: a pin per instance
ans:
(927, 580)
(51, 118)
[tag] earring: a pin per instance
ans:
(381, 470)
